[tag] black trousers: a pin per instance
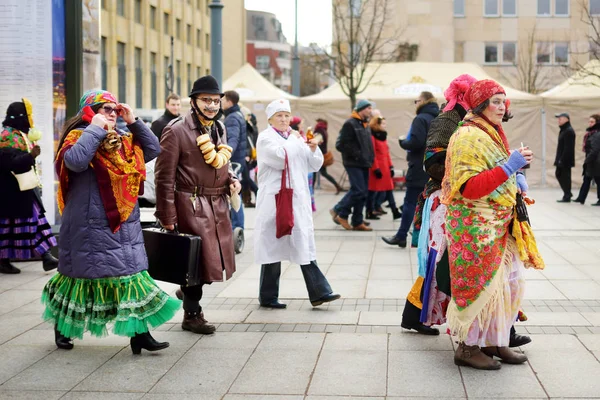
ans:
(191, 298)
(585, 187)
(317, 285)
(563, 175)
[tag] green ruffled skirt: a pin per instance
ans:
(132, 302)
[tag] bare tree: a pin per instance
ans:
(530, 75)
(359, 41)
(592, 20)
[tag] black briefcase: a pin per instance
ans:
(173, 257)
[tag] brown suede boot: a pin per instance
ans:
(343, 222)
(506, 354)
(471, 356)
(195, 322)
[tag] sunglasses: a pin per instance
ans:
(208, 100)
(109, 110)
(418, 101)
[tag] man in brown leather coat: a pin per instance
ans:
(193, 180)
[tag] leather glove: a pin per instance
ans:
(378, 173)
(392, 171)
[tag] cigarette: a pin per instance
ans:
(522, 145)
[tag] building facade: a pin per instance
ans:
(267, 48)
(530, 44)
(139, 36)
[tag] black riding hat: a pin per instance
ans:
(207, 84)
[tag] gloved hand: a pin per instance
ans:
(378, 173)
(392, 171)
(515, 162)
(522, 183)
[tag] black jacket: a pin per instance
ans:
(354, 142)
(565, 150)
(415, 144)
(13, 202)
(592, 158)
(159, 125)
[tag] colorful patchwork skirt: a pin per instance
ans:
(132, 303)
(26, 238)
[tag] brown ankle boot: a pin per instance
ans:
(505, 354)
(471, 356)
(195, 322)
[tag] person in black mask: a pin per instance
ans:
(24, 231)
(193, 179)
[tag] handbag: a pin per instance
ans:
(173, 257)
(521, 209)
(30, 179)
(284, 207)
(328, 159)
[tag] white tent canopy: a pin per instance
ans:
(407, 80)
(582, 85)
(252, 86)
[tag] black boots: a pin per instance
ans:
(195, 322)
(517, 340)
(147, 342)
(396, 214)
(395, 241)
(7, 268)
(62, 342)
(422, 329)
(49, 262)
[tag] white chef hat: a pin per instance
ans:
(278, 106)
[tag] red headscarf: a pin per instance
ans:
(481, 91)
(456, 91)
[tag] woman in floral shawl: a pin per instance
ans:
(488, 242)
(102, 275)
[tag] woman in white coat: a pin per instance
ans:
(299, 247)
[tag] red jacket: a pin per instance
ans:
(383, 162)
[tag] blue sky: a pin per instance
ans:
(314, 18)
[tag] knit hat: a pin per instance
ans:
(362, 104)
(96, 96)
(277, 106)
(482, 90)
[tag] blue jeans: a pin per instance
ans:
(354, 201)
(316, 283)
(408, 210)
(374, 200)
(237, 218)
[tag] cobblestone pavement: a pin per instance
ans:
(353, 348)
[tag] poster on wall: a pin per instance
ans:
(59, 103)
(26, 71)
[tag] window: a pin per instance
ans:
(561, 53)
(595, 7)
(103, 62)
(207, 42)
(509, 8)
(262, 62)
(178, 28)
(595, 50)
(491, 53)
(490, 8)
(121, 7)
(189, 34)
(138, 77)
(543, 51)
(153, 81)
(509, 53)
(543, 8)
(168, 83)
(198, 73)
(189, 77)
(199, 38)
(166, 26)
(355, 6)
(459, 8)
(199, 4)
(561, 8)
(122, 72)
(137, 11)
(178, 76)
(152, 17)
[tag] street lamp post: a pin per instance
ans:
(296, 59)
(169, 75)
(216, 33)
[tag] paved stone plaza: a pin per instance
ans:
(350, 349)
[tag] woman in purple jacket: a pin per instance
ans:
(102, 273)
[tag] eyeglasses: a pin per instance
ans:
(109, 110)
(208, 100)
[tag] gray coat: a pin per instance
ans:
(87, 246)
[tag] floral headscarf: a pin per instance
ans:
(96, 96)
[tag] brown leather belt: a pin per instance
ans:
(202, 191)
